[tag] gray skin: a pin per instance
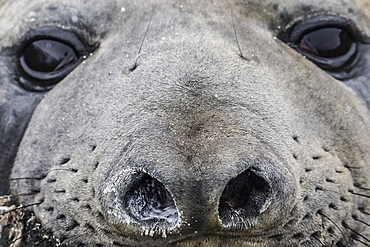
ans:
(192, 94)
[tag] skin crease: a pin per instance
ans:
(192, 93)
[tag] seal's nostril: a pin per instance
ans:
(243, 199)
(148, 202)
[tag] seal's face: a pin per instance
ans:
(189, 123)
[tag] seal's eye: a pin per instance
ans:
(333, 43)
(45, 59)
(330, 48)
(48, 54)
(328, 42)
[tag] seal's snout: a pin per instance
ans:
(136, 201)
(244, 198)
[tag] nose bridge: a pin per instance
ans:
(199, 123)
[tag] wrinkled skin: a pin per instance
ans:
(188, 102)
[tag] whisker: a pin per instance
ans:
(357, 233)
(142, 43)
(336, 225)
(236, 37)
(359, 240)
(30, 205)
(25, 178)
(362, 188)
(25, 194)
(358, 194)
(362, 210)
(20, 207)
(352, 167)
(318, 240)
(34, 178)
(363, 222)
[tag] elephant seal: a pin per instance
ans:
(188, 123)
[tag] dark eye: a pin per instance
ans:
(47, 55)
(331, 48)
(44, 59)
(332, 43)
(328, 42)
